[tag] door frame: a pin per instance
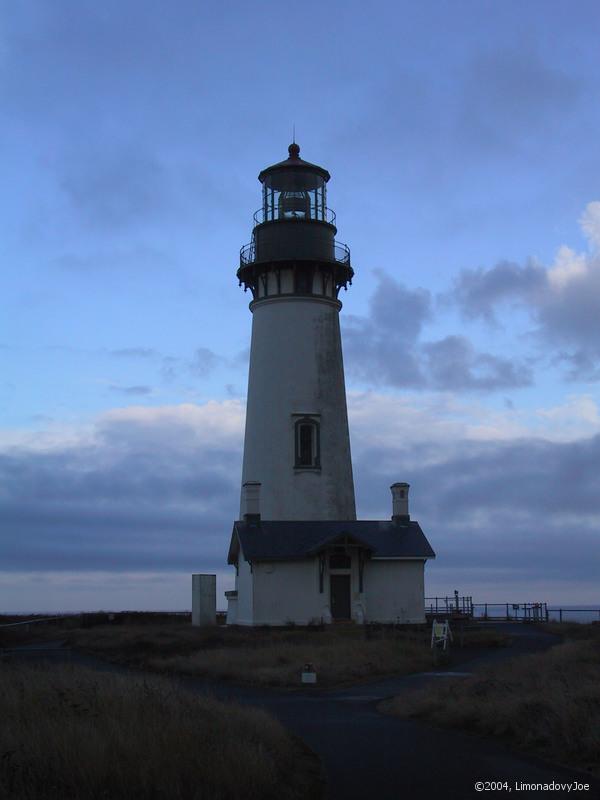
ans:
(347, 579)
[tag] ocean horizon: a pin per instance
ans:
(582, 612)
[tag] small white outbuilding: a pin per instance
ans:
(306, 572)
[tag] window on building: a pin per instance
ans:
(307, 443)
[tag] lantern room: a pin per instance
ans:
(294, 189)
(293, 248)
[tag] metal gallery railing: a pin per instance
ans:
(449, 605)
(315, 214)
(511, 612)
(248, 254)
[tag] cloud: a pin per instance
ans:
(133, 258)
(74, 591)
(156, 489)
(479, 291)
(203, 362)
(503, 514)
(381, 346)
(116, 188)
(385, 347)
(131, 390)
(144, 489)
(453, 364)
(562, 299)
(507, 94)
(431, 424)
(168, 369)
(134, 352)
(590, 223)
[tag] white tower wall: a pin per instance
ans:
(296, 369)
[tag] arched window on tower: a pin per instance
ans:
(307, 443)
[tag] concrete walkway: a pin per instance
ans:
(367, 755)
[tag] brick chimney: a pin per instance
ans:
(400, 513)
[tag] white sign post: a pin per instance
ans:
(441, 635)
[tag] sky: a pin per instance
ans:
(462, 142)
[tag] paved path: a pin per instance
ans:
(372, 756)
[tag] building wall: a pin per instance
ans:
(296, 368)
(279, 593)
(394, 591)
(287, 592)
(245, 599)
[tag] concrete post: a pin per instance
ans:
(204, 599)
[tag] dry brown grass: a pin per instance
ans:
(548, 703)
(261, 656)
(281, 664)
(573, 630)
(482, 636)
(71, 733)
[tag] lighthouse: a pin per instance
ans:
(299, 552)
(296, 443)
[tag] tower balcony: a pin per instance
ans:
(336, 252)
(295, 275)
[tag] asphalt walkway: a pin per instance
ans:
(367, 755)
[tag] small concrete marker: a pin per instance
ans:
(204, 599)
(308, 674)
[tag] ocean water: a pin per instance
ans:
(582, 613)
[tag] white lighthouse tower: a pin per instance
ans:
(296, 443)
(300, 554)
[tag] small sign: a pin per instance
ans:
(441, 634)
(308, 674)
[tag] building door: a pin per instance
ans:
(340, 596)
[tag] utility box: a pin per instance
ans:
(204, 599)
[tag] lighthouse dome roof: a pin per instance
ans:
(276, 172)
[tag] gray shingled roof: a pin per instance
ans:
(272, 540)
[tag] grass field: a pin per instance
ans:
(264, 656)
(268, 657)
(72, 734)
(548, 703)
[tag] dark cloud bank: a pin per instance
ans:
(158, 497)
